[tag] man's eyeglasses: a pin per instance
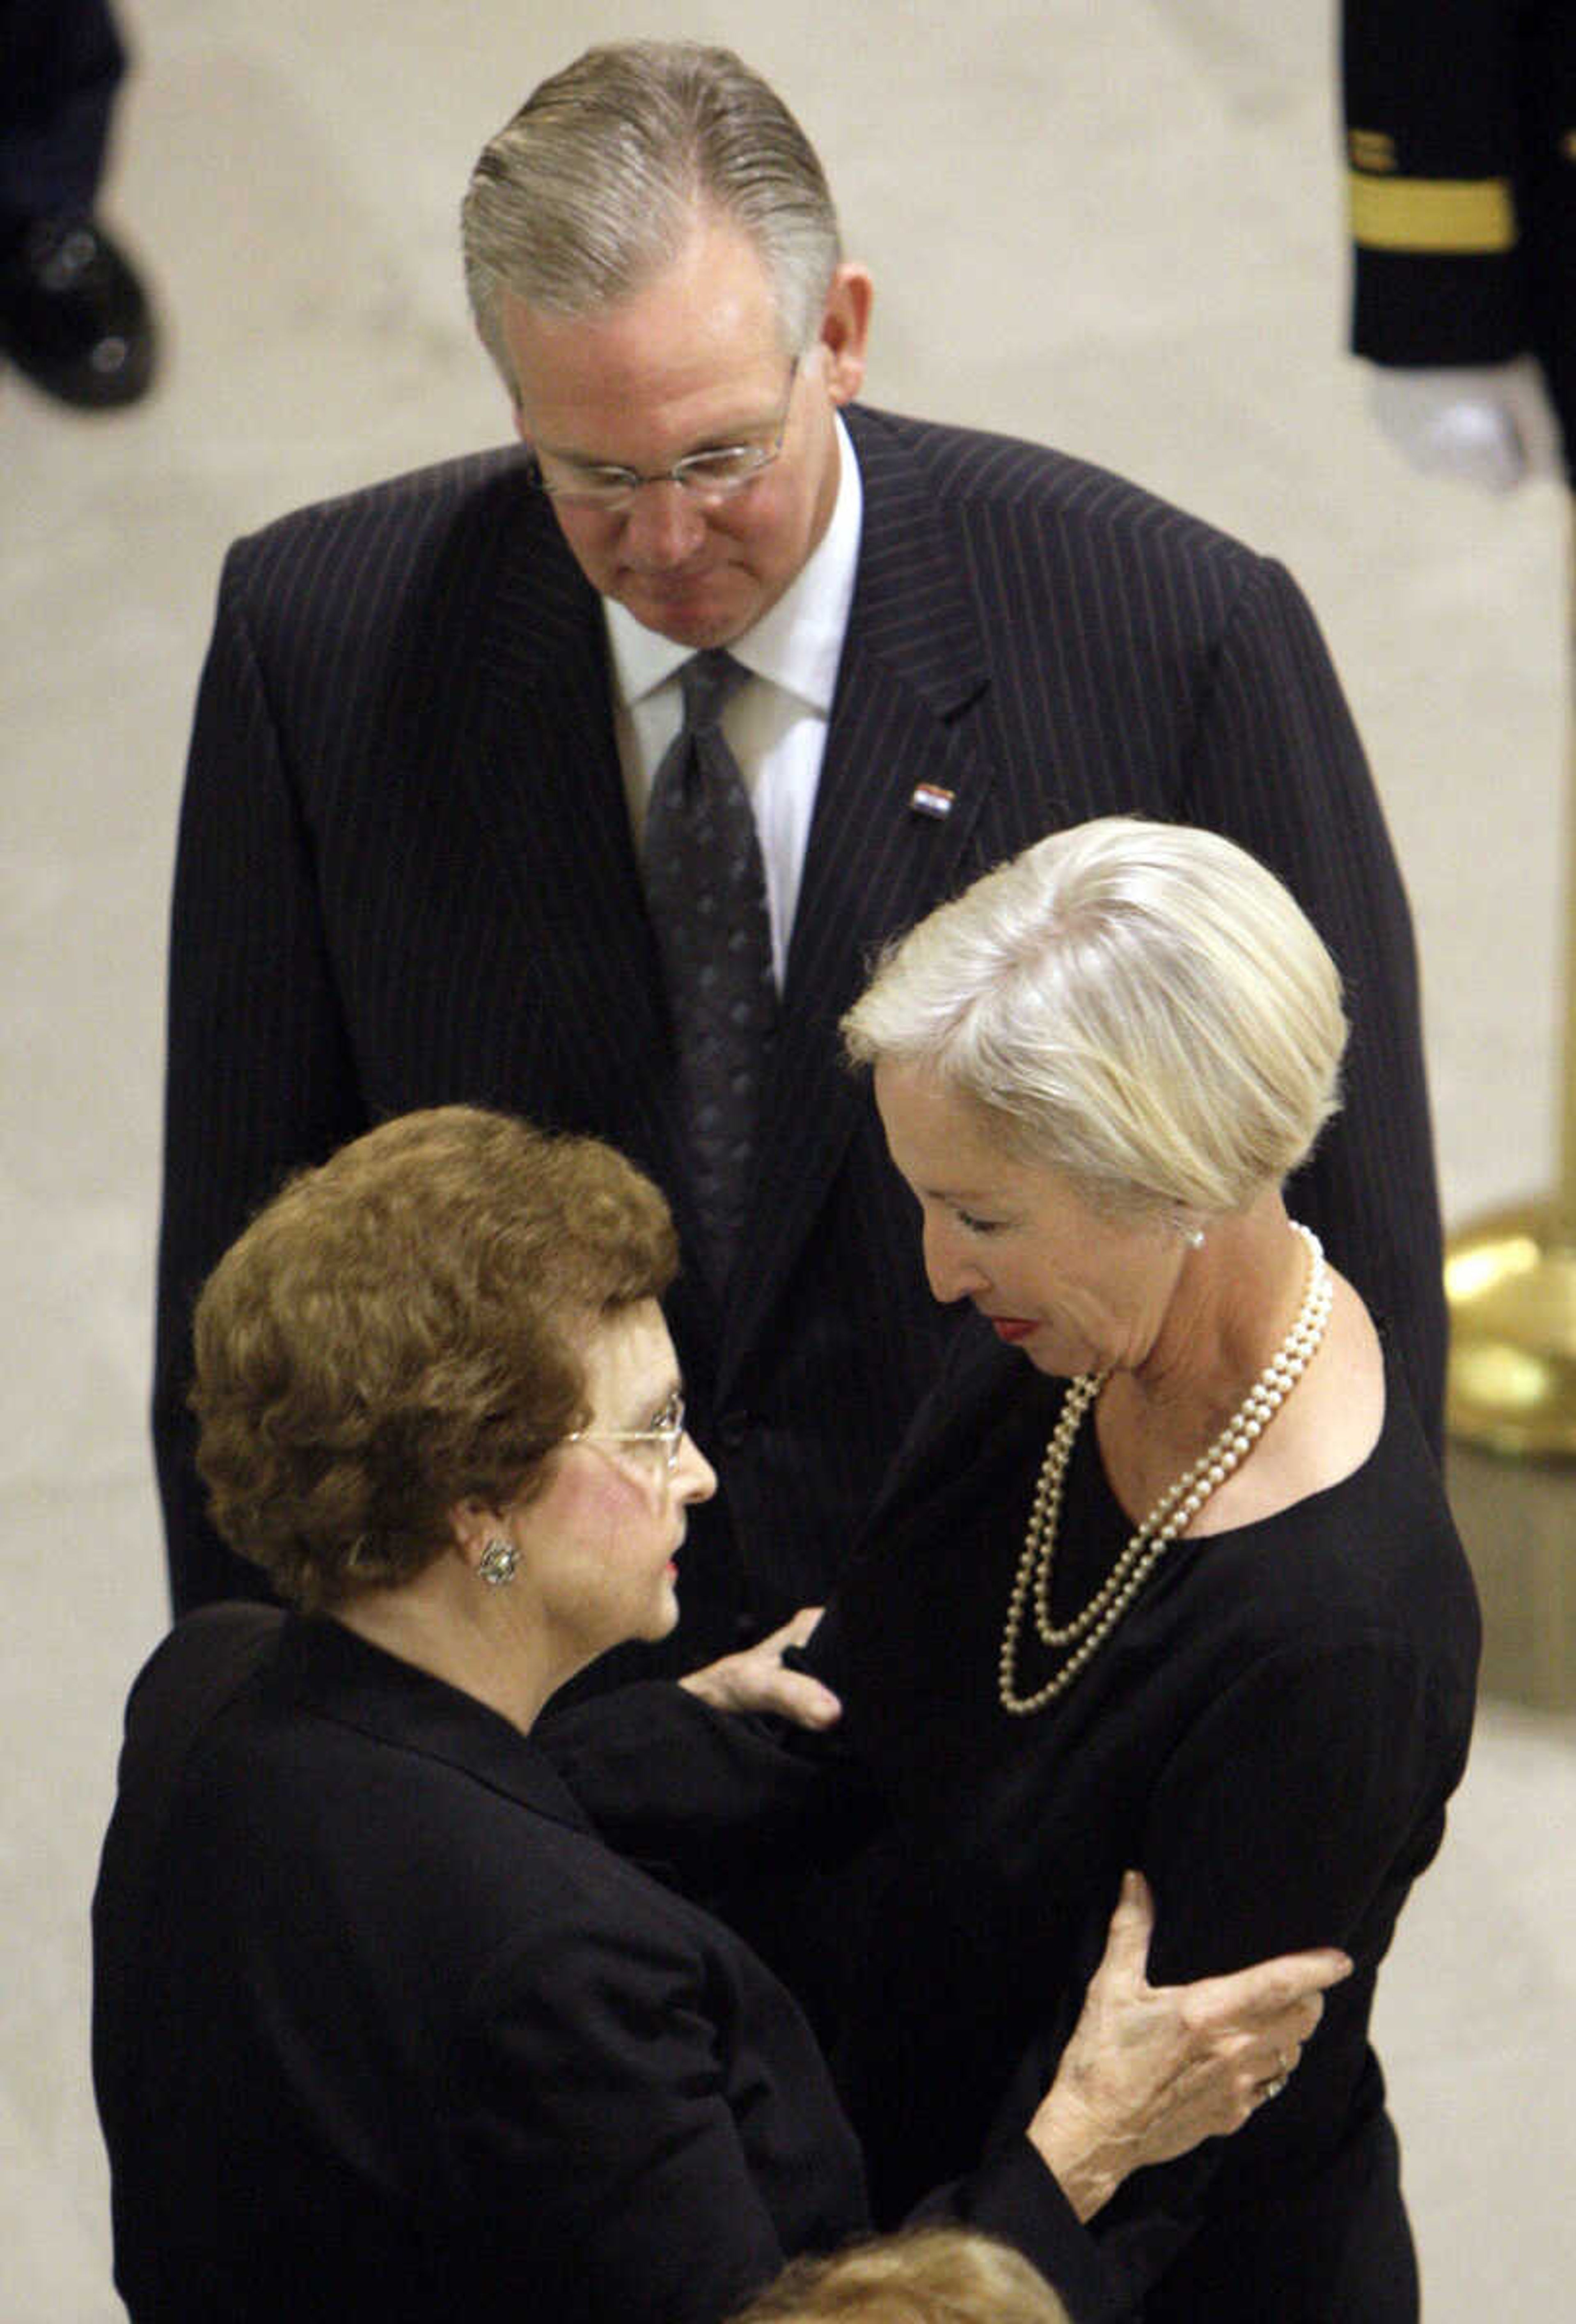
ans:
(665, 1433)
(710, 475)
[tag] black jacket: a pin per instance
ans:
(382, 2030)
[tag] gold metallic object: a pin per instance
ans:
(1510, 1279)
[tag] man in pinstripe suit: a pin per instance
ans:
(431, 711)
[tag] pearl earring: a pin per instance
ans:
(1194, 1237)
(498, 1563)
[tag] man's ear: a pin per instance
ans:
(846, 329)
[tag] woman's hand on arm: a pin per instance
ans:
(1151, 2070)
(757, 1679)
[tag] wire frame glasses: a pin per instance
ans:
(664, 1436)
(711, 474)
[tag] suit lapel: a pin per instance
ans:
(913, 663)
(540, 763)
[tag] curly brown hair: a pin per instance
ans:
(396, 1330)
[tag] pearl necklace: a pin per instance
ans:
(1175, 1510)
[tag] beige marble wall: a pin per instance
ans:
(1113, 227)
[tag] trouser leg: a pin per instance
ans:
(60, 64)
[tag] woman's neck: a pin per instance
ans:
(447, 1623)
(1236, 1299)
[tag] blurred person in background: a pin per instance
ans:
(1460, 130)
(75, 315)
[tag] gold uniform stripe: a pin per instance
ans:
(1457, 216)
(1372, 148)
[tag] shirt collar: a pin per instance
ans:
(798, 642)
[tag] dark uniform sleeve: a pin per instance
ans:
(1434, 157)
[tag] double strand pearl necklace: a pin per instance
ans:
(1177, 1506)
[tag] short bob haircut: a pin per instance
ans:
(927, 2275)
(400, 1329)
(1140, 1006)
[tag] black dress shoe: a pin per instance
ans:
(73, 315)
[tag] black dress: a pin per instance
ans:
(1270, 1734)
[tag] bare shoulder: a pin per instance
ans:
(1325, 1430)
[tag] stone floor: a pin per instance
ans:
(1115, 228)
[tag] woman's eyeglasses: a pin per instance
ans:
(666, 1431)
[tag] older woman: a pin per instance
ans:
(382, 2028)
(1165, 1576)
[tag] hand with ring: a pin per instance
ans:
(1285, 2066)
(1150, 2071)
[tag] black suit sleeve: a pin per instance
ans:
(1277, 765)
(259, 1076)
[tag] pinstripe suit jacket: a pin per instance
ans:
(406, 877)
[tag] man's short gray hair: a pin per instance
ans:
(1140, 1006)
(595, 185)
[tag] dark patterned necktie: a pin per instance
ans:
(706, 888)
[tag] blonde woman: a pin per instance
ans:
(1165, 1576)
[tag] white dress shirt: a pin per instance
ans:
(775, 724)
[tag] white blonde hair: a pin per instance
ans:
(1140, 1006)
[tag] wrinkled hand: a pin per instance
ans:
(756, 1680)
(1152, 2069)
(1489, 425)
